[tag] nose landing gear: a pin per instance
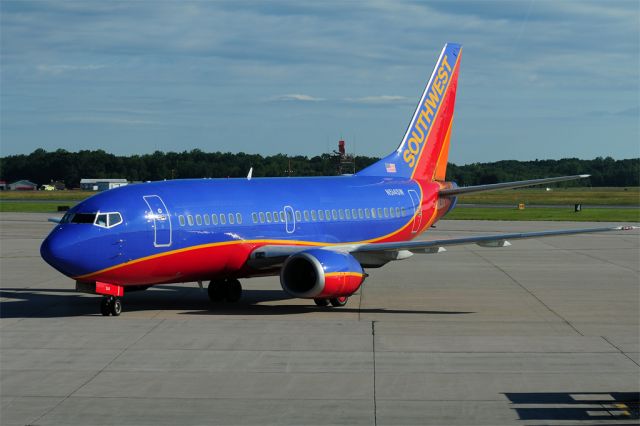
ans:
(110, 305)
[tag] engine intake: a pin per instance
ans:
(319, 273)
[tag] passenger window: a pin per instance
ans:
(231, 221)
(261, 217)
(391, 212)
(190, 220)
(367, 214)
(223, 219)
(198, 220)
(313, 215)
(306, 215)
(327, 214)
(354, 213)
(238, 218)
(254, 217)
(347, 213)
(214, 219)
(373, 212)
(207, 219)
(181, 219)
(268, 217)
(397, 211)
(360, 214)
(379, 213)
(404, 212)
(282, 217)
(275, 217)
(298, 216)
(101, 220)
(320, 214)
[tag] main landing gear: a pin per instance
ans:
(336, 302)
(110, 305)
(228, 289)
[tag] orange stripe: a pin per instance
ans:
(440, 171)
(344, 274)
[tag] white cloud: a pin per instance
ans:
(296, 97)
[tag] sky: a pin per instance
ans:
(538, 80)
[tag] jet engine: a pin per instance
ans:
(318, 273)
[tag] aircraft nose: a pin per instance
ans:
(55, 250)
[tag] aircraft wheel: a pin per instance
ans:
(233, 290)
(339, 301)
(105, 308)
(116, 306)
(321, 302)
(216, 291)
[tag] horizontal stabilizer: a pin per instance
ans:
(507, 185)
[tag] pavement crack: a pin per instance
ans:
(519, 284)
(373, 347)
(619, 350)
(96, 374)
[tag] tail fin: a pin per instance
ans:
(424, 149)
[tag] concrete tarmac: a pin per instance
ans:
(545, 332)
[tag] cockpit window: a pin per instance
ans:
(108, 220)
(115, 219)
(101, 220)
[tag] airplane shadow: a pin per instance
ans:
(53, 303)
(602, 407)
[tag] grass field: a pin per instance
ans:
(45, 195)
(546, 213)
(568, 196)
(31, 207)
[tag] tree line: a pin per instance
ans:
(44, 167)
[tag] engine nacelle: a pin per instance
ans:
(319, 273)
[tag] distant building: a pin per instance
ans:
(3, 185)
(23, 185)
(101, 184)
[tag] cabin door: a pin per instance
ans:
(417, 211)
(289, 219)
(159, 216)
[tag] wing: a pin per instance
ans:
(377, 254)
(506, 185)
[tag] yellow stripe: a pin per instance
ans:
(224, 243)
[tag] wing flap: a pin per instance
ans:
(499, 240)
(378, 254)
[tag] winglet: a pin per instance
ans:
(250, 175)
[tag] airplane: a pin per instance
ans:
(319, 234)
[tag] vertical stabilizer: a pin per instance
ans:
(424, 150)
